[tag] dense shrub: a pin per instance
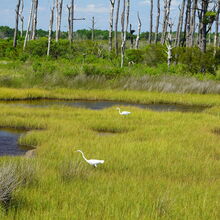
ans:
(8, 51)
(60, 49)
(43, 68)
(194, 60)
(136, 56)
(154, 55)
(37, 47)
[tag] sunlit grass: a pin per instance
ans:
(107, 94)
(157, 165)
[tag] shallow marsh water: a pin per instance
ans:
(99, 105)
(9, 142)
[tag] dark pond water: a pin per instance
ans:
(98, 105)
(9, 142)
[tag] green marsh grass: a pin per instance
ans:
(100, 73)
(157, 165)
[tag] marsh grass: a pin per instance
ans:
(103, 73)
(165, 166)
(142, 97)
(9, 182)
(73, 170)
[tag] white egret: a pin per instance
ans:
(123, 113)
(92, 162)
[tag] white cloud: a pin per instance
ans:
(92, 8)
(144, 2)
(42, 8)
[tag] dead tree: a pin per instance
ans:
(34, 19)
(112, 5)
(139, 32)
(28, 27)
(50, 30)
(151, 21)
(167, 4)
(59, 7)
(22, 17)
(169, 44)
(16, 23)
(216, 37)
(124, 25)
(70, 20)
(205, 24)
(93, 27)
(187, 23)
(157, 22)
(116, 26)
(193, 23)
(69, 23)
(162, 40)
(180, 24)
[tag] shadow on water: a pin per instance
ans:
(9, 142)
(99, 105)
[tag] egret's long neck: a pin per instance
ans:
(119, 110)
(83, 155)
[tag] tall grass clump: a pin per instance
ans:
(9, 182)
(72, 170)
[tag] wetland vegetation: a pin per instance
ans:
(158, 165)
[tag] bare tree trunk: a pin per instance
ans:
(116, 27)
(157, 22)
(186, 26)
(169, 45)
(123, 33)
(165, 19)
(22, 25)
(151, 21)
(59, 7)
(164, 22)
(180, 24)
(205, 4)
(139, 32)
(193, 24)
(112, 5)
(69, 23)
(124, 28)
(210, 40)
(16, 23)
(50, 30)
(28, 27)
(93, 27)
(22, 17)
(57, 19)
(216, 37)
(34, 21)
(188, 22)
(71, 20)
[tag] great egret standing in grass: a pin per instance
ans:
(123, 113)
(92, 162)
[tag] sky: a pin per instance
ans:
(84, 9)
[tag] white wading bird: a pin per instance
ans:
(123, 113)
(92, 162)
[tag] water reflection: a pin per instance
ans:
(9, 142)
(98, 105)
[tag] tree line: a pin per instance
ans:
(196, 18)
